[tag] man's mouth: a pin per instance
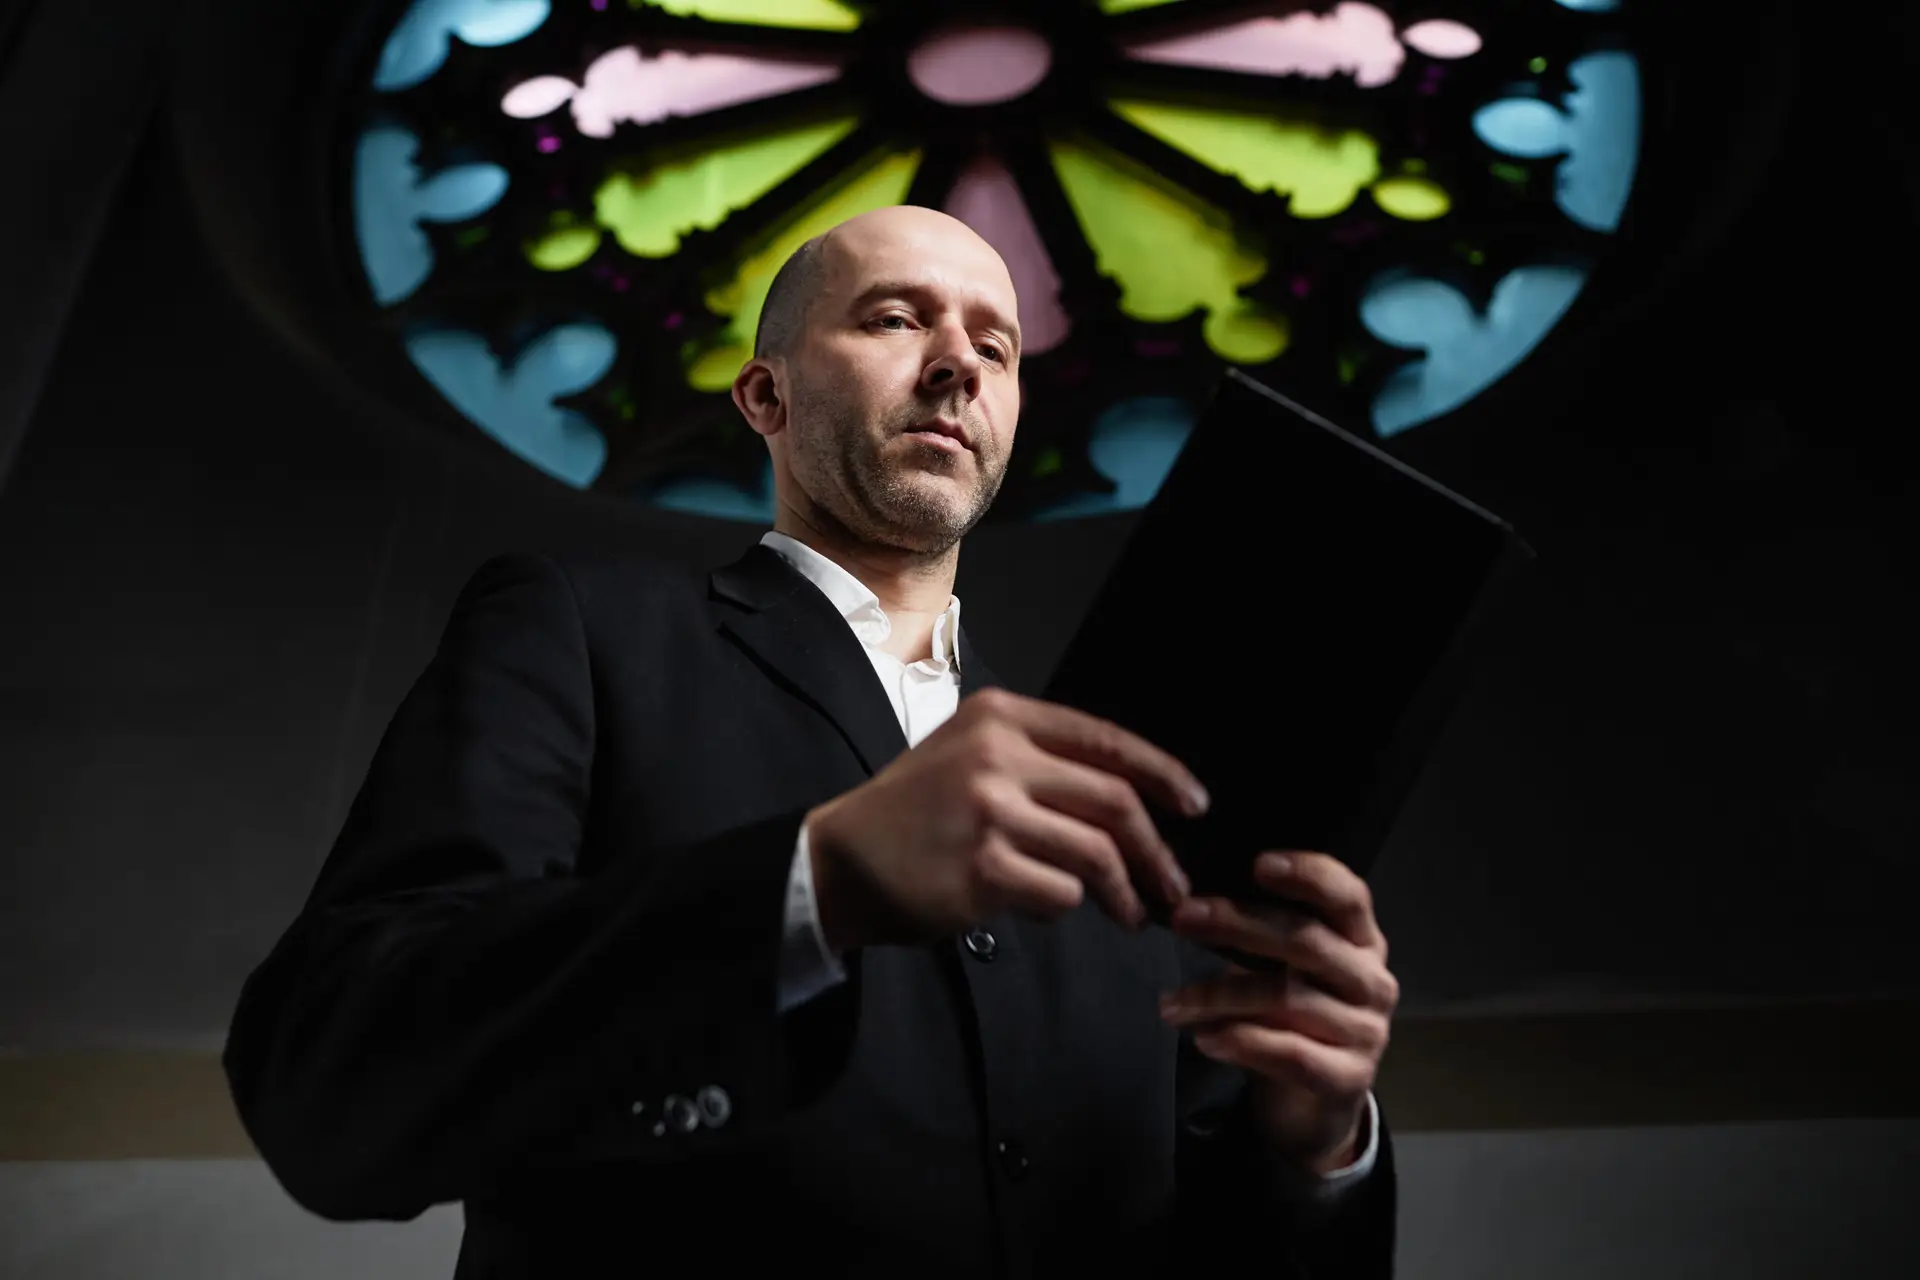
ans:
(944, 434)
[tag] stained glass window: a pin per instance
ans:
(569, 211)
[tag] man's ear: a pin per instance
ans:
(757, 395)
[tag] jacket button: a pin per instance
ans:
(1013, 1159)
(982, 944)
(716, 1108)
(682, 1116)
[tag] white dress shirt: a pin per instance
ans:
(924, 694)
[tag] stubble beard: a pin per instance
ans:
(840, 461)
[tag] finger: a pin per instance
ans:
(1012, 881)
(1065, 731)
(1110, 803)
(1080, 849)
(1303, 942)
(1278, 1000)
(1325, 884)
(1287, 1055)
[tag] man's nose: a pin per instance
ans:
(955, 365)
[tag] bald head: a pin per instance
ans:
(800, 279)
(783, 316)
(899, 220)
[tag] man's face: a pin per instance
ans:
(903, 391)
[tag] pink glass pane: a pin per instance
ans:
(987, 198)
(1355, 39)
(626, 85)
(968, 66)
(1439, 38)
(533, 98)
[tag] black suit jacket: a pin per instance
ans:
(557, 903)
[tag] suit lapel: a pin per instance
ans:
(795, 633)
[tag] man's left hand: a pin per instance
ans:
(1310, 1035)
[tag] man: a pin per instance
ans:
(703, 916)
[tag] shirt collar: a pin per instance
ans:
(858, 604)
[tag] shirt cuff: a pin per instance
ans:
(1338, 1183)
(807, 968)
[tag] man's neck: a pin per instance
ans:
(913, 590)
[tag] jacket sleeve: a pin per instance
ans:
(1239, 1201)
(460, 1005)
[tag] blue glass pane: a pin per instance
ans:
(1466, 353)
(418, 44)
(1592, 6)
(1133, 444)
(389, 201)
(515, 406)
(1604, 124)
(1522, 127)
(717, 498)
(1599, 131)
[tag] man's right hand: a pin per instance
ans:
(1013, 804)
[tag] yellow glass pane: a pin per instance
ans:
(1170, 253)
(741, 298)
(563, 248)
(1127, 6)
(650, 210)
(1411, 199)
(1322, 170)
(816, 15)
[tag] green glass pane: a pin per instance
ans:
(885, 183)
(1411, 199)
(563, 248)
(817, 15)
(1127, 6)
(649, 211)
(1321, 169)
(1170, 253)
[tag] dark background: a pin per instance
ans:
(1686, 773)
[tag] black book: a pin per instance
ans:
(1293, 616)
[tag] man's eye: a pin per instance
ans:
(902, 320)
(990, 352)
